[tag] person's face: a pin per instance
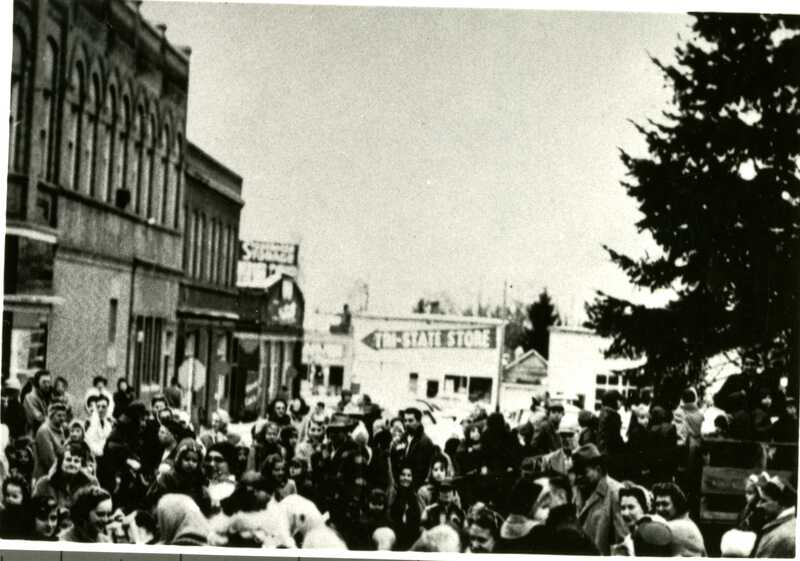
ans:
(158, 407)
(398, 429)
(102, 407)
(346, 398)
(280, 408)
(526, 471)
(71, 464)
(315, 432)
(24, 456)
(480, 539)
(292, 441)
(123, 386)
(165, 437)
(557, 416)
(438, 472)
(769, 506)
(406, 478)
(59, 418)
(61, 387)
(766, 401)
(46, 527)
(76, 433)
(664, 507)
(791, 410)
(586, 478)
(750, 493)
(446, 496)
(217, 465)
(631, 511)
(410, 422)
(189, 462)
(475, 434)
(216, 423)
(295, 471)
(271, 434)
(278, 471)
(100, 517)
(46, 384)
(14, 495)
(643, 419)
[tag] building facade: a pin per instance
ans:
(523, 378)
(207, 297)
(449, 359)
(269, 342)
(578, 368)
(94, 194)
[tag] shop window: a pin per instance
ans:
(432, 389)
(147, 357)
(24, 343)
(613, 380)
(336, 377)
(456, 385)
(413, 383)
(480, 389)
(601, 379)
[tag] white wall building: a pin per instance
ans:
(450, 359)
(577, 366)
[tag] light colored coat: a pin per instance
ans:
(599, 515)
(777, 537)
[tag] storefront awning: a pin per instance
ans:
(208, 313)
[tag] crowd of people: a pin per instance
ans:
(115, 469)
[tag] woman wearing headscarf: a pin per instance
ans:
(180, 521)
(66, 477)
(405, 513)
(184, 477)
(441, 469)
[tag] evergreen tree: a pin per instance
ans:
(719, 192)
(542, 314)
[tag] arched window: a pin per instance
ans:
(75, 127)
(93, 108)
(176, 156)
(47, 147)
(123, 152)
(152, 165)
(110, 157)
(139, 160)
(166, 194)
(16, 115)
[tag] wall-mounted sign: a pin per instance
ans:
(475, 338)
(269, 252)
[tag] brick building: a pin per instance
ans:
(207, 300)
(94, 224)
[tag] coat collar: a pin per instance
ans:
(597, 495)
(784, 516)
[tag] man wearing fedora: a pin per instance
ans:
(597, 498)
(344, 479)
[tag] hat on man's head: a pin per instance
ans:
(136, 410)
(778, 489)
(652, 538)
(56, 406)
(340, 421)
(586, 455)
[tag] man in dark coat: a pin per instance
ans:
(547, 439)
(419, 448)
(343, 480)
(609, 432)
(124, 442)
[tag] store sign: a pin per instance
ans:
(259, 260)
(477, 338)
(269, 252)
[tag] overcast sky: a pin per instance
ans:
(427, 150)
